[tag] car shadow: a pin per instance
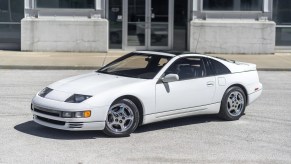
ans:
(198, 119)
(32, 128)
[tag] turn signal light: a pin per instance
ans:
(87, 114)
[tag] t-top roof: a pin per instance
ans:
(171, 52)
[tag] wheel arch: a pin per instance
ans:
(243, 88)
(137, 102)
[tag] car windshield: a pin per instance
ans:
(136, 65)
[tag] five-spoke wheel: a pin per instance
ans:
(233, 104)
(122, 118)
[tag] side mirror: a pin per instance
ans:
(170, 78)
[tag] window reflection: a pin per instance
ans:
(233, 5)
(282, 12)
(282, 16)
(136, 22)
(11, 13)
(115, 24)
(11, 10)
(65, 3)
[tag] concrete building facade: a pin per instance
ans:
(204, 26)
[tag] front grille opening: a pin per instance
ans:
(47, 112)
(75, 125)
(51, 121)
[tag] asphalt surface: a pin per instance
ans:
(263, 135)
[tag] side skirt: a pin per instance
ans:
(207, 109)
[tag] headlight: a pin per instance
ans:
(77, 98)
(83, 114)
(44, 92)
(67, 114)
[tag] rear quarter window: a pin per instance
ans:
(218, 68)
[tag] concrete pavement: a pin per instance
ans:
(68, 60)
(262, 135)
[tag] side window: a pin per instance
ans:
(218, 68)
(187, 68)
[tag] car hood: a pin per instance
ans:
(92, 83)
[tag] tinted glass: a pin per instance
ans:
(282, 12)
(136, 22)
(136, 65)
(251, 5)
(187, 68)
(282, 16)
(283, 36)
(218, 68)
(233, 5)
(115, 24)
(11, 10)
(180, 25)
(11, 13)
(218, 4)
(65, 3)
(159, 23)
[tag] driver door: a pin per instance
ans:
(193, 89)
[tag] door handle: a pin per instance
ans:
(210, 84)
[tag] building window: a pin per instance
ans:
(115, 24)
(282, 17)
(11, 13)
(11, 10)
(82, 4)
(282, 12)
(233, 5)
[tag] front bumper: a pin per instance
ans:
(71, 126)
(47, 112)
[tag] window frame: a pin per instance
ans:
(100, 70)
(202, 61)
(213, 68)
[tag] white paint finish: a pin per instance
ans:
(207, 109)
(179, 99)
(58, 95)
(85, 126)
(184, 94)
(229, 36)
(249, 80)
(221, 81)
(64, 34)
(254, 96)
(106, 88)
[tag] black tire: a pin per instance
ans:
(112, 127)
(233, 104)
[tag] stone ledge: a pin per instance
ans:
(232, 37)
(64, 34)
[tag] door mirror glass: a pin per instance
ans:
(170, 78)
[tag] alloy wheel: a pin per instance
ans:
(120, 118)
(235, 103)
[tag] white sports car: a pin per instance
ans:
(144, 87)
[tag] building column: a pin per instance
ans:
(100, 7)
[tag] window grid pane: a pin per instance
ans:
(82, 4)
(233, 5)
